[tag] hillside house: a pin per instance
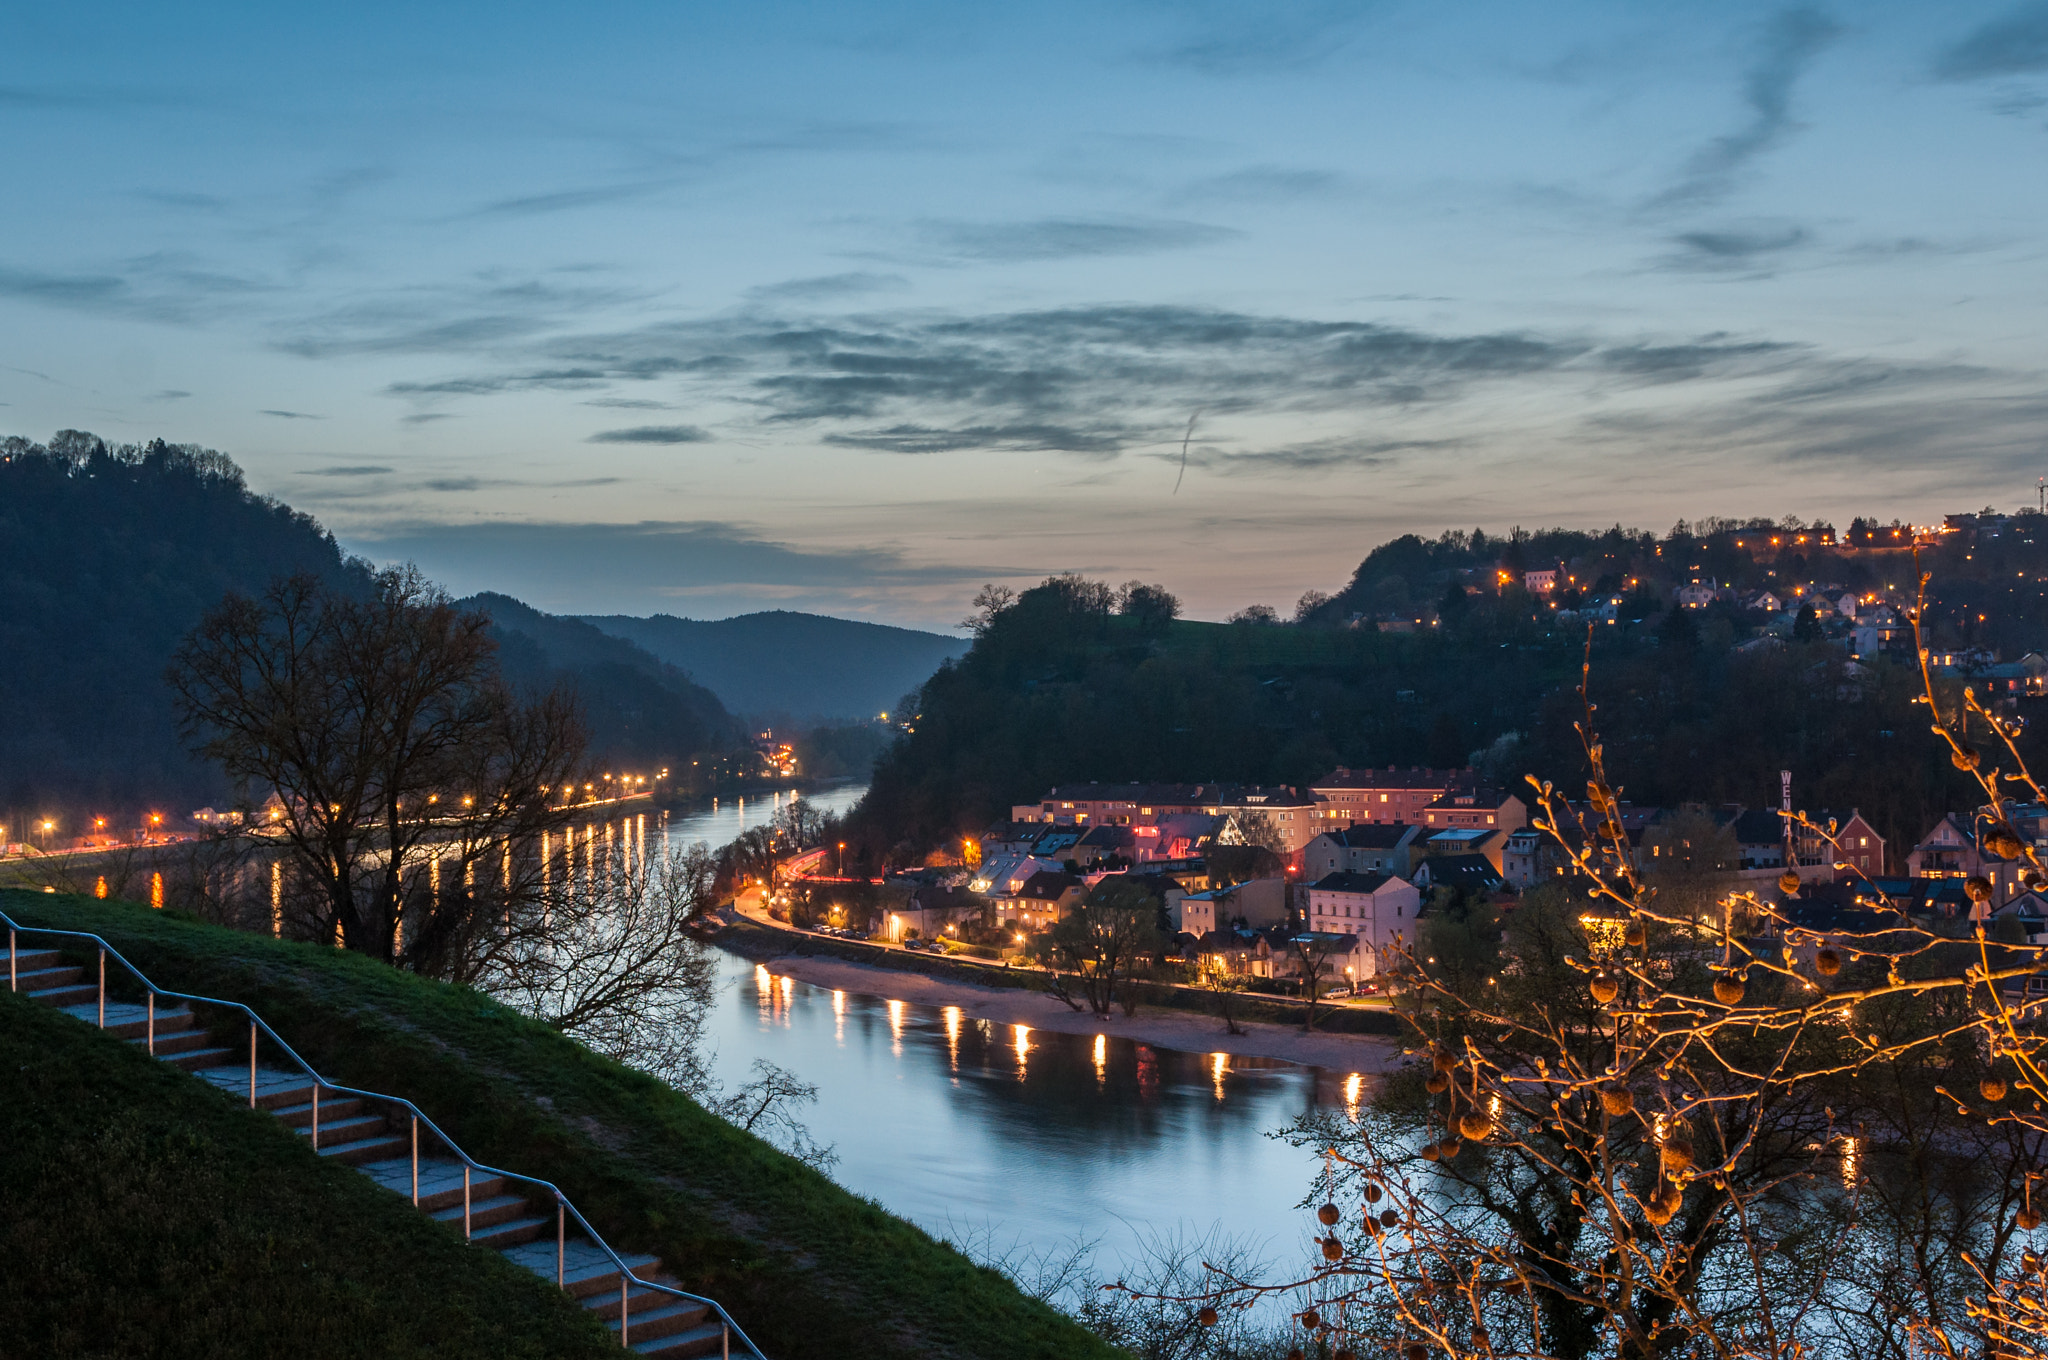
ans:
(1255, 903)
(1367, 848)
(1346, 796)
(1378, 909)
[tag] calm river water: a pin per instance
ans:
(1028, 1140)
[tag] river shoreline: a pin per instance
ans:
(1178, 1030)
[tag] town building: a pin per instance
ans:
(1367, 848)
(1255, 903)
(1379, 909)
(1040, 901)
(1476, 807)
(1473, 873)
(1346, 796)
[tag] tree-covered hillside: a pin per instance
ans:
(642, 713)
(109, 555)
(1060, 687)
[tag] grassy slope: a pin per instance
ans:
(807, 1268)
(145, 1214)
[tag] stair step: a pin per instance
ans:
(67, 995)
(658, 1315)
(33, 980)
(510, 1233)
(440, 1179)
(360, 1150)
(487, 1213)
(274, 1086)
(706, 1338)
(180, 1041)
(205, 1062)
(125, 1021)
(334, 1112)
(21, 961)
(587, 1270)
(645, 1300)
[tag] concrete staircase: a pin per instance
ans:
(489, 1211)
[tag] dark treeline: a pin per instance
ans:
(1062, 685)
(110, 554)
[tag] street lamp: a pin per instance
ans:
(842, 859)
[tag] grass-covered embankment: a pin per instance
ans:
(807, 1268)
(144, 1214)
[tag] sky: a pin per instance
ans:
(851, 308)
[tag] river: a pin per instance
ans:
(1027, 1142)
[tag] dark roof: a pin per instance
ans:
(1759, 826)
(1350, 883)
(1047, 886)
(1373, 835)
(1413, 777)
(1131, 793)
(1468, 797)
(1104, 836)
(1475, 872)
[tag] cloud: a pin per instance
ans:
(1060, 238)
(1788, 47)
(569, 200)
(1262, 183)
(1316, 455)
(162, 287)
(2013, 44)
(653, 434)
(1733, 248)
(1108, 440)
(289, 415)
(169, 394)
(1231, 40)
(630, 404)
(352, 470)
(424, 417)
(826, 287)
(485, 312)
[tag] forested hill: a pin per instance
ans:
(109, 555)
(643, 713)
(1058, 687)
(779, 665)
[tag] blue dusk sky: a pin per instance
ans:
(705, 309)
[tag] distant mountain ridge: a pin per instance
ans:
(642, 712)
(784, 665)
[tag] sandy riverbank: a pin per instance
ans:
(1163, 1028)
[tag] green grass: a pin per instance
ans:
(807, 1268)
(143, 1213)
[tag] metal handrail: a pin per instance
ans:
(563, 1208)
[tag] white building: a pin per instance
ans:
(1379, 909)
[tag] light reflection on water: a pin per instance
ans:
(1034, 1138)
(727, 817)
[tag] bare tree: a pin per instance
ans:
(375, 740)
(767, 1108)
(609, 957)
(1311, 950)
(1105, 938)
